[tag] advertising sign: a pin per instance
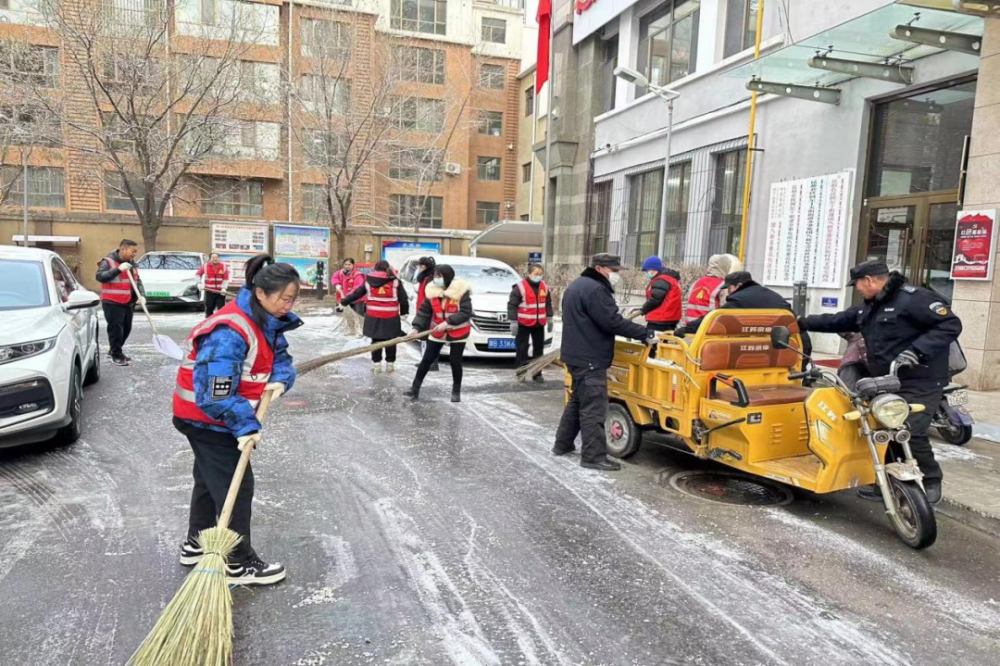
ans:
(397, 251)
(302, 247)
(975, 245)
(241, 237)
(235, 263)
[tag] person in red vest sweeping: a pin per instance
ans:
(214, 281)
(425, 274)
(118, 299)
(345, 281)
(234, 356)
(529, 311)
(385, 302)
(707, 292)
(447, 311)
(662, 308)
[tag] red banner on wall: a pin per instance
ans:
(975, 245)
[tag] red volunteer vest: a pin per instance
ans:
(531, 311)
(443, 308)
(422, 291)
(118, 290)
(215, 276)
(670, 308)
(382, 302)
(705, 296)
(352, 282)
(256, 366)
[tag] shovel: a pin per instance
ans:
(161, 343)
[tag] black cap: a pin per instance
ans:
(736, 279)
(867, 268)
(606, 261)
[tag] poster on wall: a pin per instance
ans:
(975, 245)
(236, 242)
(302, 247)
(809, 221)
(397, 251)
(235, 264)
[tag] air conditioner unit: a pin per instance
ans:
(453, 168)
(510, 146)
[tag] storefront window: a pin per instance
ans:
(727, 205)
(645, 200)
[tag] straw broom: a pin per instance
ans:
(196, 627)
(526, 372)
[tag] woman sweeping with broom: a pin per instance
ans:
(234, 357)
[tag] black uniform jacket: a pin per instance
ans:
(591, 320)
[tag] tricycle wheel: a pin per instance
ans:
(622, 434)
(914, 521)
(959, 435)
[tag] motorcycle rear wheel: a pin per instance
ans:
(959, 435)
(914, 522)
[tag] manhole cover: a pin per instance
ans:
(728, 488)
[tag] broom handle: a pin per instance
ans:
(136, 288)
(241, 467)
(551, 357)
(316, 364)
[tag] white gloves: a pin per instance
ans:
(141, 300)
(252, 440)
(513, 328)
(441, 328)
(277, 390)
(124, 266)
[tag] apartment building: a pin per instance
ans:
(456, 65)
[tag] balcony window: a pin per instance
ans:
(415, 164)
(427, 16)
(326, 39)
(741, 26)
(529, 101)
(491, 123)
(727, 205)
(231, 196)
(668, 42)
(35, 65)
(419, 114)
(419, 64)
(487, 212)
(494, 30)
(323, 148)
(22, 12)
(325, 95)
(46, 188)
(405, 210)
(242, 139)
(228, 20)
(28, 125)
(492, 77)
(314, 208)
(488, 168)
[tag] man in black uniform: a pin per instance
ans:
(591, 320)
(743, 294)
(910, 326)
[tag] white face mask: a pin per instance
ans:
(651, 274)
(535, 278)
(439, 282)
(614, 279)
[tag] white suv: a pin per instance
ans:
(48, 347)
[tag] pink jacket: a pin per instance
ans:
(348, 282)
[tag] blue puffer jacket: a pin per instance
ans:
(221, 354)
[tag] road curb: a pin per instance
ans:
(980, 520)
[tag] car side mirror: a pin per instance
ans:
(780, 337)
(81, 299)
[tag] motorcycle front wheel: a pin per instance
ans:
(959, 435)
(914, 522)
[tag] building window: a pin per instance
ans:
(727, 206)
(45, 186)
(35, 126)
(115, 196)
(326, 39)
(526, 173)
(491, 123)
(326, 95)
(487, 212)
(418, 164)
(231, 196)
(529, 101)
(314, 202)
(420, 114)
(668, 42)
(678, 191)
(429, 16)
(494, 30)
(418, 64)
(492, 77)
(323, 148)
(37, 65)
(644, 205)
(405, 210)
(488, 168)
(741, 26)
(600, 218)
(609, 82)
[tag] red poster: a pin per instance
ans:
(975, 245)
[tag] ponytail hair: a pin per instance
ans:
(263, 273)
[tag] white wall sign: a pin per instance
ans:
(808, 226)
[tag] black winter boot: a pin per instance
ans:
(413, 392)
(456, 394)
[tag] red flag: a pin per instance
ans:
(544, 36)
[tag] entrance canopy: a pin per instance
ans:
(867, 40)
(510, 234)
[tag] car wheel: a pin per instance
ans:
(94, 371)
(72, 432)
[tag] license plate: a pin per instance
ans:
(501, 344)
(958, 398)
(158, 294)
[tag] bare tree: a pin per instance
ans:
(142, 113)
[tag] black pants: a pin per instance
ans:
(585, 414)
(213, 302)
(431, 354)
(390, 352)
(919, 424)
(119, 321)
(215, 460)
(525, 334)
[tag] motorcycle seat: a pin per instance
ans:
(767, 395)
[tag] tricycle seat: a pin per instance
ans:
(766, 395)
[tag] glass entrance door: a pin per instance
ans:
(891, 232)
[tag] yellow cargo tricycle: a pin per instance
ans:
(732, 393)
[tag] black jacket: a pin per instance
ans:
(660, 290)
(591, 320)
(514, 302)
(376, 328)
(750, 296)
(901, 317)
(106, 274)
(459, 290)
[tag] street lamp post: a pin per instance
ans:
(667, 95)
(25, 136)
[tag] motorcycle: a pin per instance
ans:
(952, 419)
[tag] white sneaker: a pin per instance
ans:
(389, 367)
(377, 368)
(255, 572)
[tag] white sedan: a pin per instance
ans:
(172, 277)
(48, 347)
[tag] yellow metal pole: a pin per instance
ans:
(750, 138)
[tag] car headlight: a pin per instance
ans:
(9, 353)
(890, 410)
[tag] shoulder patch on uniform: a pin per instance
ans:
(937, 307)
(222, 387)
(909, 288)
